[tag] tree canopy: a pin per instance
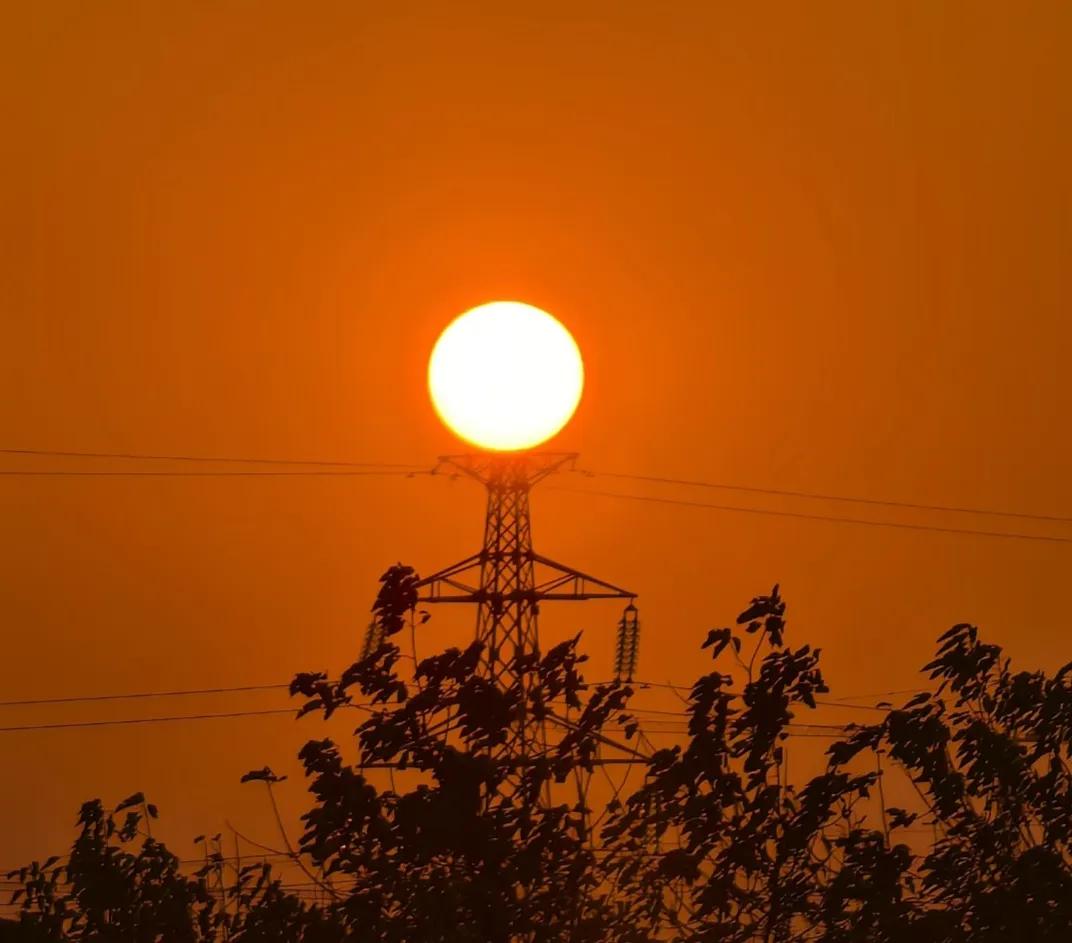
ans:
(714, 843)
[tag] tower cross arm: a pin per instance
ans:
(607, 741)
(444, 585)
(565, 583)
(522, 470)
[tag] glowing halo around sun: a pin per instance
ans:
(505, 376)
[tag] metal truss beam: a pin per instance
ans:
(506, 579)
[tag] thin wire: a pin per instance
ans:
(146, 720)
(864, 697)
(193, 692)
(226, 859)
(820, 496)
(791, 734)
(783, 492)
(275, 852)
(211, 474)
(823, 703)
(31, 702)
(140, 456)
(671, 726)
(816, 517)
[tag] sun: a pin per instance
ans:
(505, 376)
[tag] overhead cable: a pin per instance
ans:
(143, 456)
(827, 518)
(821, 496)
(212, 474)
(78, 699)
(125, 721)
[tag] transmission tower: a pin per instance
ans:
(507, 579)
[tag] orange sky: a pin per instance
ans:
(815, 246)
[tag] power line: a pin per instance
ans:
(382, 467)
(212, 474)
(679, 726)
(828, 518)
(786, 734)
(33, 702)
(822, 703)
(253, 688)
(126, 721)
(864, 697)
(821, 496)
(213, 858)
(142, 456)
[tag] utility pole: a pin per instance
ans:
(506, 579)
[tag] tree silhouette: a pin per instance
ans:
(989, 752)
(715, 844)
(118, 883)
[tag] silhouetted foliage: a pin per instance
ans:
(116, 884)
(713, 845)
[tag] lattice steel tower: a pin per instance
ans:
(507, 579)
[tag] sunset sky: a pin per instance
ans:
(812, 247)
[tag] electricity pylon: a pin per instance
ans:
(507, 579)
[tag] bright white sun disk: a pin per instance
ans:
(505, 376)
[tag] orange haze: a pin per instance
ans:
(820, 247)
